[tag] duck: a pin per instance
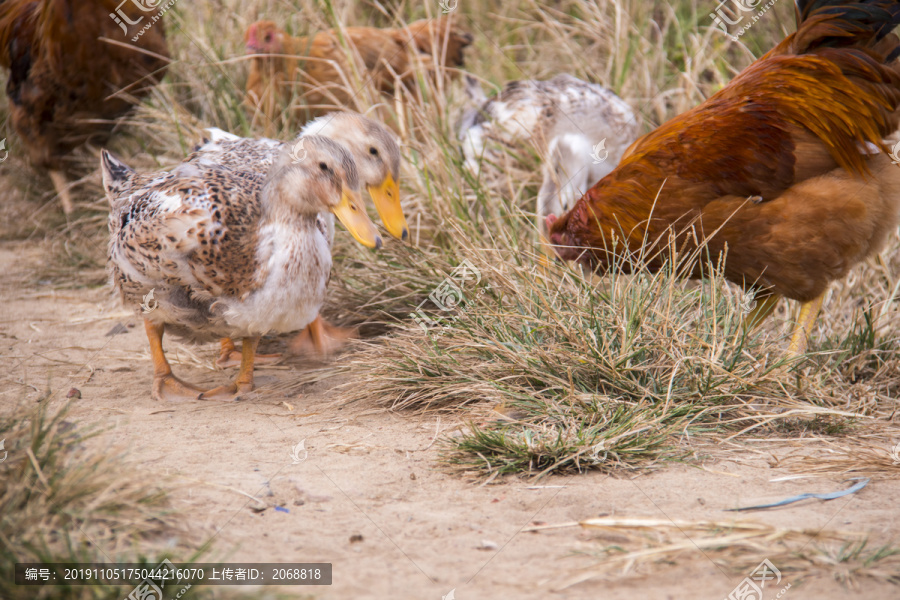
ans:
(580, 129)
(377, 155)
(228, 252)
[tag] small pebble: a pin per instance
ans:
(117, 329)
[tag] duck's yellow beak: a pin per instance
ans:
(352, 213)
(387, 202)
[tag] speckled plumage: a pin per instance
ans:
(226, 250)
(257, 154)
(233, 152)
(355, 131)
(564, 118)
(349, 128)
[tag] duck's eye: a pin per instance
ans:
(324, 167)
(373, 151)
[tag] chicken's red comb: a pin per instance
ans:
(250, 36)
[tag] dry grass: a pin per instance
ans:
(635, 545)
(61, 503)
(616, 372)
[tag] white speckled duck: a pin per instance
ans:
(580, 129)
(229, 252)
(377, 156)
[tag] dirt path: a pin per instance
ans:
(375, 474)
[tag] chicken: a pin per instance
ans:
(67, 84)
(580, 129)
(228, 252)
(316, 74)
(782, 174)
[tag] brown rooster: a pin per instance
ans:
(316, 69)
(75, 66)
(783, 173)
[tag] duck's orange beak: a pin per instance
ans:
(352, 213)
(387, 202)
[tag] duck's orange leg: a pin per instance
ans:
(243, 383)
(321, 338)
(165, 385)
(230, 357)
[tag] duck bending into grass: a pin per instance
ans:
(229, 252)
(580, 130)
(377, 156)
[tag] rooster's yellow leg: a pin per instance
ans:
(62, 190)
(230, 357)
(321, 338)
(758, 314)
(809, 312)
(165, 385)
(243, 383)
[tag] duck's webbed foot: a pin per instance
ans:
(321, 339)
(169, 388)
(229, 392)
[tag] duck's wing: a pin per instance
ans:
(193, 232)
(538, 111)
(511, 117)
(236, 153)
(520, 111)
(593, 111)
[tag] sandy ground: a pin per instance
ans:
(370, 495)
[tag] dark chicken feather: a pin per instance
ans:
(68, 86)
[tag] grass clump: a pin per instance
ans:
(61, 503)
